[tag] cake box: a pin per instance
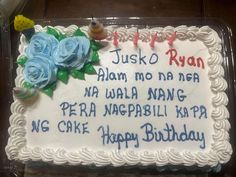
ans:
(151, 101)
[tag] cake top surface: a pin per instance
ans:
(156, 96)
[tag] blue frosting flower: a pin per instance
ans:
(72, 52)
(40, 71)
(41, 44)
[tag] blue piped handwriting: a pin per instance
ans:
(169, 134)
(121, 139)
(137, 58)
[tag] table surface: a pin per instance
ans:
(43, 9)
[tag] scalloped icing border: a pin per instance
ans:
(221, 149)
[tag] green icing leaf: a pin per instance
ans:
(77, 74)
(53, 32)
(63, 76)
(78, 32)
(22, 60)
(53, 85)
(89, 69)
(27, 85)
(48, 90)
(61, 36)
(94, 57)
(95, 45)
(80, 75)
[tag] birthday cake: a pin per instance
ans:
(120, 96)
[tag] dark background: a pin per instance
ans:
(45, 9)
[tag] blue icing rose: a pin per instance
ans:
(72, 52)
(40, 71)
(41, 44)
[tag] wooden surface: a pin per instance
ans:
(41, 9)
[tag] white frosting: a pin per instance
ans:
(131, 157)
(222, 124)
(189, 158)
(202, 159)
(23, 146)
(175, 158)
(162, 158)
(86, 156)
(59, 157)
(212, 158)
(147, 158)
(73, 158)
(101, 158)
(117, 158)
(47, 155)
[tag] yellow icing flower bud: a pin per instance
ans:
(21, 23)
